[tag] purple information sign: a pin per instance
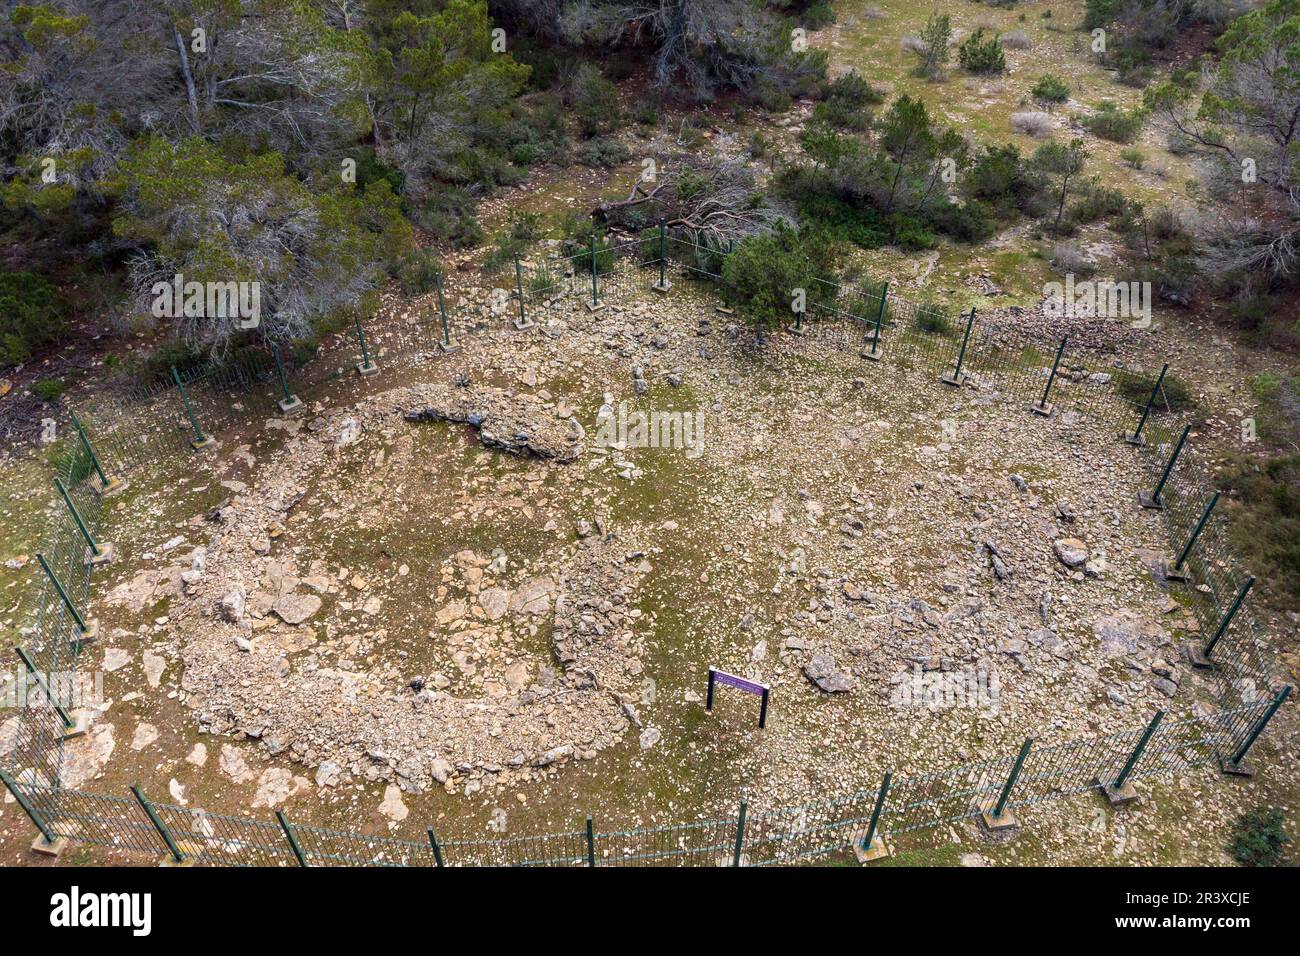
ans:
(731, 680)
(740, 683)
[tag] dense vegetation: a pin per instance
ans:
(1258, 838)
(296, 142)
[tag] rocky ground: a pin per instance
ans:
(448, 600)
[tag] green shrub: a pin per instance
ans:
(647, 113)
(971, 221)
(1134, 157)
(1112, 123)
(1001, 177)
(157, 366)
(595, 102)
(847, 102)
(551, 67)
(808, 189)
(1265, 521)
(1257, 837)
(448, 213)
(504, 253)
(1277, 398)
(31, 315)
(542, 282)
(372, 169)
(525, 226)
(1266, 317)
(817, 16)
(1098, 202)
(418, 272)
(1051, 89)
(603, 153)
(579, 231)
(537, 134)
(48, 389)
(912, 233)
(980, 55)
(765, 274)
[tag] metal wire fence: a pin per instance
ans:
(134, 427)
(776, 836)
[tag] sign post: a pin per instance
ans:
(740, 683)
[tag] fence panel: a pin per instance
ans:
(221, 840)
(701, 843)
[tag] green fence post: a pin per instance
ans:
(177, 857)
(869, 849)
(726, 307)
(957, 377)
(200, 440)
(1176, 573)
(522, 322)
(291, 837)
(99, 553)
(71, 728)
(740, 833)
(1236, 764)
(1201, 657)
(1000, 819)
(446, 343)
(1154, 500)
(47, 843)
(1044, 407)
(873, 353)
(291, 402)
(87, 630)
(1136, 437)
(595, 305)
(437, 849)
(107, 485)
(366, 367)
(1121, 791)
(591, 843)
(664, 285)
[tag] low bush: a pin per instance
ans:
(1112, 123)
(1000, 177)
(817, 16)
(847, 101)
(447, 212)
(603, 152)
(595, 102)
(418, 272)
(579, 232)
(1265, 521)
(1051, 89)
(1098, 202)
(647, 113)
(48, 389)
(982, 55)
(1258, 838)
(31, 315)
(765, 274)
